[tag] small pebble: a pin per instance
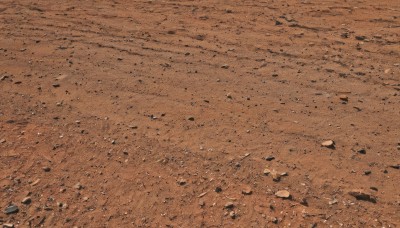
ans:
(283, 194)
(181, 181)
(35, 182)
(328, 144)
(360, 37)
(232, 214)
(304, 202)
(274, 220)
(284, 174)
(374, 188)
(26, 200)
(334, 201)
(362, 151)
(229, 205)
(270, 158)
(275, 176)
(78, 186)
(247, 190)
(344, 97)
(202, 203)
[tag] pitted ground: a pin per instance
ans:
(130, 73)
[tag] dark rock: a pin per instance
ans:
(360, 37)
(374, 188)
(362, 151)
(304, 202)
(229, 205)
(11, 209)
(270, 158)
(362, 195)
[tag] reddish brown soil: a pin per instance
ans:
(153, 105)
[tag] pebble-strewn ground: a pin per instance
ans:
(206, 113)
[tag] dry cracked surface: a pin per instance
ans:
(199, 113)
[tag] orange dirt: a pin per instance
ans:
(162, 113)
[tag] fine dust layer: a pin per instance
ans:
(200, 113)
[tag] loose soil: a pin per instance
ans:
(162, 113)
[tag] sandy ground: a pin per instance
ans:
(199, 113)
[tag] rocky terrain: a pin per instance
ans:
(206, 113)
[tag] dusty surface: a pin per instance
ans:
(164, 112)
